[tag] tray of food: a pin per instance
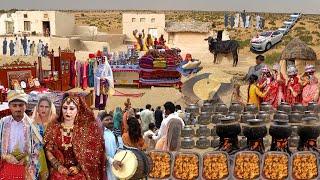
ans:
(275, 166)
(304, 165)
(215, 166)
(246, 165)
(186, 166)
(161, 164)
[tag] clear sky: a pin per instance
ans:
(304, 6)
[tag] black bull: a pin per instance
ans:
(223, 47)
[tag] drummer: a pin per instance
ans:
(112, 143)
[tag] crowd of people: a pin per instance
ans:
(25, 47)
(146, 43)
(71, 143)
(270, 85)
(243, 20)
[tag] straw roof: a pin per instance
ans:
(297, 49)
(197, 27)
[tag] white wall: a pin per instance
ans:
(128, 26)
(64, 24)
(190, 42)
(86, 30)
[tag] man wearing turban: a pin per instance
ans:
(19, 156)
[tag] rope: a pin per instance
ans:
(118, 93)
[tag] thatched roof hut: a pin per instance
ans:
(297, 53)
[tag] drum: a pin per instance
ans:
(136, 164)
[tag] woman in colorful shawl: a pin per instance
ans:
(133, 138)
(254, 92)
(74, 143)
(310, 91)
(276, 88)
(293, 87)
(43, 113)
(171, 140)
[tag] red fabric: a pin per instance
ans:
(85, 75)
(296, 86)
(91, 56)
(12, 171)
(273, 96)
(55, 175)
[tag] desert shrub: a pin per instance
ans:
(317, 33)
(272, 58)
(244, 43)
(306, 38)
(302, 23)
(272, 23)
(300, 29)
(82, 14)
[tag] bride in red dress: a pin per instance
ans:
(74, 143)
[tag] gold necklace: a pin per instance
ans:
(66, 132)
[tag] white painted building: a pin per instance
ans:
(153, 24)
(37, 23)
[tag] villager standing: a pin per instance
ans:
(103, 83)
(17, 45)
(256, 70)
(112, 141)
(149, 42)
(293, 87)
(39, 48)
(4, 46)
(139, 39)
(169, 133)
(133, 138)
(310, 91)
(11, 48)
(46, 50)
(19, 141)
(32, 48)
(24, 43)
(28, 48)
(158, 116)
(147, 117)
(254, 92)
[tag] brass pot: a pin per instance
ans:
(246, 116)
(187, 143)
(251, 108)
(284, 107)
(216, 117)
(264, 116)
(203, 143)
(222, 108)
(236, 107)
(298, 107)
(281, 115)
(187, 131)
(203, 130)
(204, 118)
(295, 117)
(266, 107)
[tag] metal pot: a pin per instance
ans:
(266, 107)
(236, 107)
(222, 108)
(235, 115)
(313, 107)
(192, 108)
(263, 116)
(216, 117)
(215, 142)
(243, 142)
(310, 114)
(251, 108)
(298, 107)
(281, 115)
(187, 143)
(284, 107)
(203, 143)
(187, 131)
(204, 118)
(203, 131)
(295, 117)
(207, 107)
(293, 141)
(246, 116)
